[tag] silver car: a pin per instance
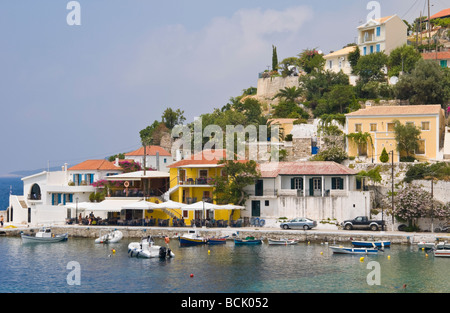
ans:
(299, 223)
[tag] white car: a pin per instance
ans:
(299, 223)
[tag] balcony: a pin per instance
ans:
(200, 181)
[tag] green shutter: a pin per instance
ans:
(292, 183)
(333, 183)
(311, 187)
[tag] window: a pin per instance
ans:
(378, 31)
(362, 149)
(165, 160)
(203, 173)
(330, 64)
(266, 202)
(390, 127)
(378, 48)
(409, 123)
(373, 127)
(371, 49)
(358, 128)
(425, 125)
(337, 183)
(297, 183)
(421, 147)
(365, 51)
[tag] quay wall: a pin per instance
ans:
(313, 236)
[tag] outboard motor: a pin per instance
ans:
(162, 252)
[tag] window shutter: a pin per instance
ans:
(292, 183)
(341, 185)
(53, 199)
(311, 187)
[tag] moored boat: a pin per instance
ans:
(146, 248)
(352, 250)
(192, 238)
(111, 237)
(371, 244)
(217, 241)
(282, 241)
(44, 235)
(248, 241)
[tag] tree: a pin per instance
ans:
(289, 109)
(427, 84)
(340, 98)
(274, 58)
(362, 139)
(289, 93)
(412, 203)
(172, 118)
(311, 60)
(353, 58)
(371, 67)
(407, 137)
(402, 59)
(384, 157)
(333, 153)
(288, 66)
(238, 175)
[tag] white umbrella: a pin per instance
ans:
(82, 205)
(170, 205)
(201, 205)
(140, 205)
(232, 207)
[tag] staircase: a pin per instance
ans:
(166, 195)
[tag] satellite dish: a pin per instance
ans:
(320, 52)
(393, 80)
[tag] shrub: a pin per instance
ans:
(384, 157)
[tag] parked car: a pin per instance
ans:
(363, 222)
(299, 223)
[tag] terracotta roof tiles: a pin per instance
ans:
(151, 150)
(98, 165)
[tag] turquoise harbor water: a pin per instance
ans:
(303, 268)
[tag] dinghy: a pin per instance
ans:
(282, 241)
(146, 248)
(111, 237)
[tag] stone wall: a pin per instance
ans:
(269, 87)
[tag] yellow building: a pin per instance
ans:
(378, 121)
(191, 181)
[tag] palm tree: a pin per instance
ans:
(290, 94)
(361, 139)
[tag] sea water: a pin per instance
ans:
(9, 185)
(301, 268)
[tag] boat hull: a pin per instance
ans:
(283, 242)
(216, 241)
(112, 237)
(34, 239)
(442, 253)
(247, 242)
(185, 241)
(345, 250)
(371, 244)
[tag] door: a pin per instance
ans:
(259, 188)
(29, 215)
(256, 208)
(182, 176)
(315, 186)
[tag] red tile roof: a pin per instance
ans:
(443, 13)
(205, 157)
(273, 169)
(440, 55)
(99, 165)
(151, 150)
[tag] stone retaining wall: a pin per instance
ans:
(313, 236)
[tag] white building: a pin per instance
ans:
(156, 157)
(338, 61)
(46, 194)
(383, 34)
(317, 190)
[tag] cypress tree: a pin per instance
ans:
(274, 59)
(384, 157)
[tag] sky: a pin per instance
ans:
(69, 93)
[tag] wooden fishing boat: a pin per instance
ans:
(217, 241)
(248, 241)
(192, 238)
(44, 235)
(371, 244)
(282, 242)
(352, 250)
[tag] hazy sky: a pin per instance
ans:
(71, 93)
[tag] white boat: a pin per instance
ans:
(111, 237)
(44, 235)
(282, 241)
(426, 245)
(442, 249)
(350, 250)
(146, 248)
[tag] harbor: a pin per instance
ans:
(306, 267)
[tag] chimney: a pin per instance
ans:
(116, 163)
(157, 161)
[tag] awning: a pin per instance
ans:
(169, 205)
(82, 205)
(232, 207)
(113, 205)
(139, 175)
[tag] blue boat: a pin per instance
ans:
(348, 250)
(192, 238)
(372, 244)
(248, 241)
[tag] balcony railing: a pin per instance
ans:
(196, 181)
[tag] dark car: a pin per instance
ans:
(299, 223)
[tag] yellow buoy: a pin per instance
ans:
(361, 259)
(389, 257)
(209, 252)
(321, 253)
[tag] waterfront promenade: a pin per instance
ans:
(318, 235)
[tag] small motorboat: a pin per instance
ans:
(192, 238)
(248, 241)
(282, 241)
(146, 248)
(44, 235)
(111, 237)
(372, 244)
(426, 245)
(217, 241)
(442, 249)
(351, 250)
